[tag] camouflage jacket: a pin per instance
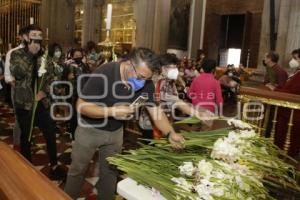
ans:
(22, 65)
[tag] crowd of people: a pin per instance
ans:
(102, 99)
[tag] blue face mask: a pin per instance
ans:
(136, 84)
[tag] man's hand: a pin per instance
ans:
(176, 140)
(271, 86)
(68, 62)
(121, 112)
(40, 95)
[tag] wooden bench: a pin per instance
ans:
(20, 180)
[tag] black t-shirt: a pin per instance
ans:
(106, 88)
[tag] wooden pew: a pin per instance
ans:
(20, 180)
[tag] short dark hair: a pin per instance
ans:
(52, 47)
(168, 59)
(296, 51)
(90, 45)
(23, 31)
(33, 27)
(273, 56)
(72, 52)
(146, 55)
(209, 65)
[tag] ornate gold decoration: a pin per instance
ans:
(274, 121)
(285, 104)
(107, 46)
(14, 13)
(288, 135)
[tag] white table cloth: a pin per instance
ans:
(130, 190)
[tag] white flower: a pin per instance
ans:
(242, 185)
(238, 124)
(42, 70)
(204, 191)
(247, 133)
(224, 150)
(187, 169)
(219, 191)
(219, 175)
(205, 168)
(181, 182)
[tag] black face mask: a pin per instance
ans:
(264, 63)
(77, 60)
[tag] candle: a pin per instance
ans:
(47, 33)
(31, 20)
(9, 46)
(108, 16)
(18, 28)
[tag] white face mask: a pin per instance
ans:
(294, 63)
(172, 74)
(57, 54)
(230, 74)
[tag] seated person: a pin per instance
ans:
(230, 81)
(205, 90)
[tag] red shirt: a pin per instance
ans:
(206, 91)
(276, 75)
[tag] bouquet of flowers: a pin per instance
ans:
(38, 85)
(232, 163)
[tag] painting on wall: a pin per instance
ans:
(179, 24)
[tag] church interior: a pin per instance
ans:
(149, 99)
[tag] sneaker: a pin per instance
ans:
(58, 173)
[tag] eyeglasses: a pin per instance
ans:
(139, 76)
(36, 41)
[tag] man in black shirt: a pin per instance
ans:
(103, 104)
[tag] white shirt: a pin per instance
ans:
(7, 75)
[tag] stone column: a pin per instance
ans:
(161, 26)
(144, 14)
(91, 22)
(196, 26)
(264, 45)
(293, 39)
(283, 26)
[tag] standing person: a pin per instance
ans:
(275, 76)
(275, 79)
(92, 55)
(283, 116)
(294, 62)
(54, 64)
(167, 97)
(205, 90)
(102, 126)
(11, 81)
(73, 69)
(54, 61)
(24, 68)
